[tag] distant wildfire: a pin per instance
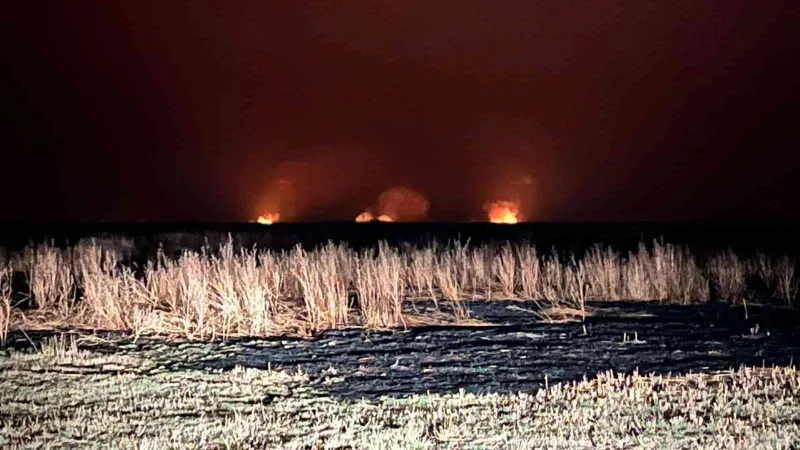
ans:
(503, 211)
(403, 204)
(268, 218)
(365, 216)
(399, 203)
(368, 216)
(316, 183)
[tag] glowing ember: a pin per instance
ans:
(268, 218)
(503, 212)
(385, 218)
(365, 216)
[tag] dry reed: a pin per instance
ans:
(5, 301)
(226, 290)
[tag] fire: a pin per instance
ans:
(365, 216)
(398, 203)
(268, 218)
(503, 212)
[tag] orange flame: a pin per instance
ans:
(397, 203)
(365, 216)
(268, 218)
(503, 212)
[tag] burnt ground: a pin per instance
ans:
(513, 353)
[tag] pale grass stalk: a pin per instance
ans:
(346, 258)
(636, 276)
(335, 282)
(785, 280)
(222, 292)
(688, 282)
(50, 278)
(728, 273)
(123, 248)
(504, 270)
(529, 272)
(576, 284)
(380, 287)
(237, 292)
(273, 274)
(193, 295)
(764, 268)
(460, 257)
(208, 295)
(59, 346)
(162, 279)
(114, 299)
(552, 285)
(604, 271)
(308, 279)
(420, 272)
(5, 302)
(659, 267)
(447, 277)
(254, 294)
(89, 258)
(117, 248)
(446, 272)
(479, 264)
(324, 285)
(673, 274)
(390, 273)
(19, 261)
(368, 288)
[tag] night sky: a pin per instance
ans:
(595, 110)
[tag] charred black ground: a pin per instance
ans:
(512, 353)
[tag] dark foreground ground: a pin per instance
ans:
(513, 384)
(513, 352)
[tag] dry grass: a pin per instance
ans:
(786, 280)
(418, 268)
(5, 301)
(530, 270)
(226, 290)
(381, 288)
(126, 401)
(778, 275)
(729, 273)
(666, 272)
(324, 278)
(49, 272)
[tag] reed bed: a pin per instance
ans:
(230, 291)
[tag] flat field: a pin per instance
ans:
(514, 382)
(255, 342)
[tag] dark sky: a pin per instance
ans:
(584, 110)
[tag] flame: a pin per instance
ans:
(365, 216)
(397, 203)
(503, 212)
(268, 218)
